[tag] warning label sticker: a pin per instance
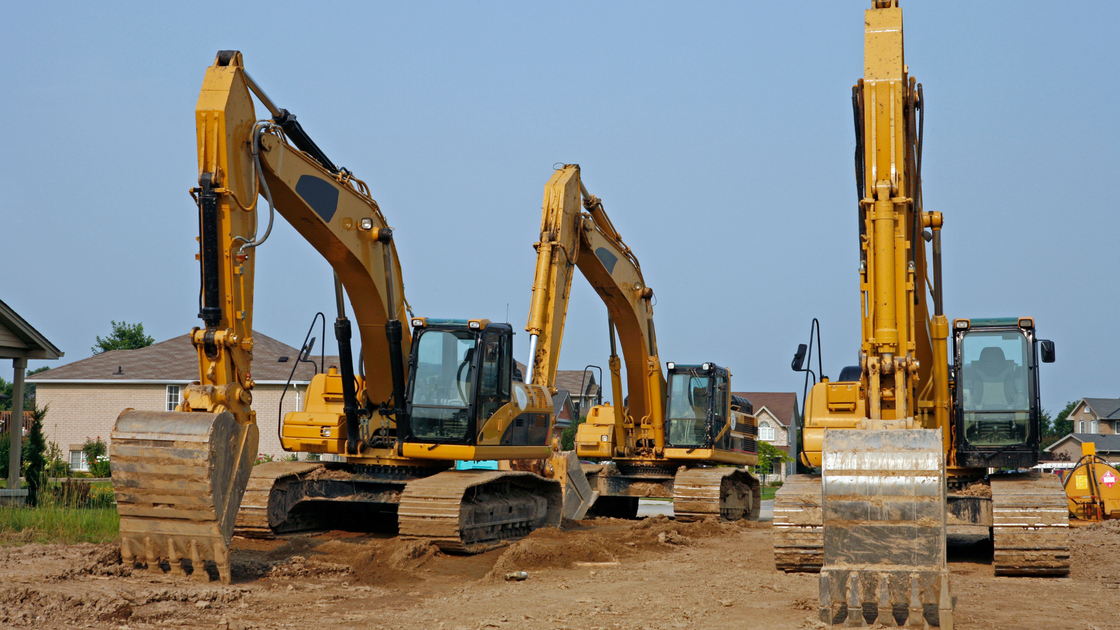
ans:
(1108, 479)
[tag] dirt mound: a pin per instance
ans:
(385, 562)
(603, 540)
(28, 606)
(1110, 526)
(301, 567)
(978, 489)
(649, 531)
(102, 560)
(543, 552)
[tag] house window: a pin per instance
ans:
(1081, 427)
(766, 432)
(78, 461)
(172, 397)
(1094, 427)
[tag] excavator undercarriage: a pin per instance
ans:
(460, 511)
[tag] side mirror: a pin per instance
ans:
(303, 356)
(1047, 350)
(799, 357)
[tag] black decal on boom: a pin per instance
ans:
(607, 258)
(320, 194)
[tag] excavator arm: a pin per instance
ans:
(572, 238)
(179, 476)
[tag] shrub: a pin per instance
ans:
(34, 454)
(57, 466)
(568, 436)
(72, 493)
(97, 457)
(262, 458)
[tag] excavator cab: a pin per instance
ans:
(997, 403)
(702, 414)
(460, 376)
(461, 390)
(698, 405)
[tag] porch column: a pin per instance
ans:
(15, 427)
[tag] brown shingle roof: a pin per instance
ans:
(782, 404)
(570, 380)
(175, 360)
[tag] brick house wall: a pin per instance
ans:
(81, 411)
(1072, 449)
(781, 433)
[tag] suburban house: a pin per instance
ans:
(1096, 415)
(1069, 447)
(86, 396)
(1094, 420)
(775, 412)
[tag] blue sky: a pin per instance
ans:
(719, 136)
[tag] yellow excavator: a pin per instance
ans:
(422, 401)
(685, 437)
(905, 440)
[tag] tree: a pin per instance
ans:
(35, 460)
(768, 455)
(28, 392)
(33, 455)
(568, 436)
(1062, 424)
(1056, 429)
(124, 337)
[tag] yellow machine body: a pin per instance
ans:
(321, 428)
(1092, 488)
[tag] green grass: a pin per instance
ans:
(53, 524)
(768, 492)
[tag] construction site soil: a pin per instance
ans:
(604, 573)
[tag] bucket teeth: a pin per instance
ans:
(855, 605)
(885, 615)
(857, 599)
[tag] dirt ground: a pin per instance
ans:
(606, 574)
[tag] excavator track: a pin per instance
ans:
(730, 494)
(799, 525)
(471, 511)
(1030, 533)
(178, 479)
(252, 520)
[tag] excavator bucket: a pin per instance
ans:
(178, 479)
(883, 505)
(578, 495)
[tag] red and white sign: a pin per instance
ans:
(1108, 479)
